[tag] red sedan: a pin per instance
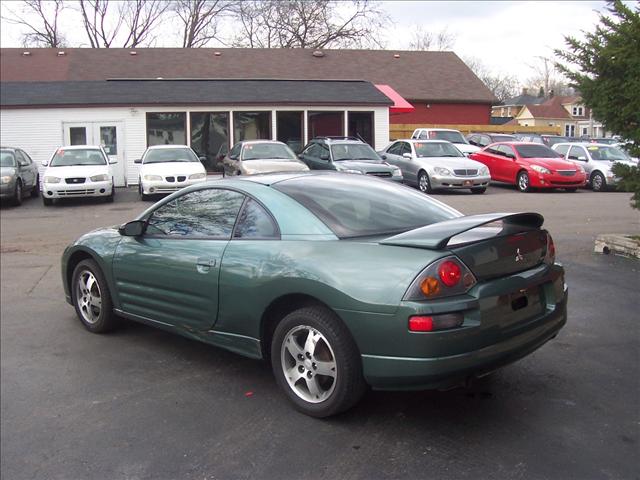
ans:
(530, 165)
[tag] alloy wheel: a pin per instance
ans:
(597, 182)
(308, 364)
(88, 297)
(423, 183)
(523, 182)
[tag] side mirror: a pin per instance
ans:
(135, 228)
(582, 159)
(45, 163)
(324, 157)
(137, 160)
(233, 157)
(202, 159)
(384, 157)
(407, 155)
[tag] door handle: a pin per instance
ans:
(206, 262)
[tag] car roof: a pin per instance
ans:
(337, 140)
(248, 142)
(273, 178)
(427, 140)
(9, 148)
(78, 147)
(586, 144)
(163, 147)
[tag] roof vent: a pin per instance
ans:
(26, 53)
(396, 55)
(133, 53)
(318, 53)
(217, 54)
(62, 53)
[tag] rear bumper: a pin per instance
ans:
(402, 373)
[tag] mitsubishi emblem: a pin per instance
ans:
(519, 256)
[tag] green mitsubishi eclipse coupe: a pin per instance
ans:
(340, 280)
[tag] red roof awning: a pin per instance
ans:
(400, 105)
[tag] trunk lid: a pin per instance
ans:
(491, 245)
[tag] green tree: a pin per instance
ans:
(605, 69)
(630, 181)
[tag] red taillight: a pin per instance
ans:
(420, 324)
(449, 273)
(551, 250)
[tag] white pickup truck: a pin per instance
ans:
(453, 136)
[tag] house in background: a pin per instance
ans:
(511, 107)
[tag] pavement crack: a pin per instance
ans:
(39, 280)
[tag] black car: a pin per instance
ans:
(548, 140)
(19, 174)
(349, 155)
(483, 139)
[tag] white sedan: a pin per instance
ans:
(168, 168)
(78, 171)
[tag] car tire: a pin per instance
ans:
(597, 182)
(91, 297)
(17, 194)
(143, 196)
(111, 197)
(522, 182)
(35, 191)
(47, 202)
(302, 341)
(478, 191)
(424, 184)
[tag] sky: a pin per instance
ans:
(506, 36)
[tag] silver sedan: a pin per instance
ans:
(436, 164)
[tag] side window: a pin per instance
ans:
(576, 152)
(485, 140)
(406, 148)
(255, 222)
(235, 151)
(313, 150)
(506, 151)
(394, 149)
(204, 213)
(26, 157)
(494, 150)
(423, 135)
(20, 158)
(562, 149)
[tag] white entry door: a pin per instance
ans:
(107, 134)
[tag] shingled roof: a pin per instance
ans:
(426, 76)
(191, 92)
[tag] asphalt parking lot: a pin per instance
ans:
(141, 403)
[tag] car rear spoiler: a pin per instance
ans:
(437, 235)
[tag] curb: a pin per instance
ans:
(618, 244)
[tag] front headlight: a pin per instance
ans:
(5, 179)
(396, 172)
(99, 178)
(197, 176)
(484, 171)
(51, 180)
(442, 171)
(351, 171)
(540, 169)
(153, 178)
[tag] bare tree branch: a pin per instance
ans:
(502, 86)
(422, 39)
(308, 24)
(200, 20)
(44, 31)
(548, 77)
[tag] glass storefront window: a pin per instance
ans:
(77, 136)
(251, 126)
(166, 129)
(210, 137)
(289, 129)
(361, 126)
(325, 124)
(109, 140)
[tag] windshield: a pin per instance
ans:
(611, 154)
(353, 151)
(7, 159)
(78, 156)
(263, 151)
(436, 149)
(551, 141)
(536, 151)
(161, 155)
(358, 206)
(449, 136)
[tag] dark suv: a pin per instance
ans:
(349, 155)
